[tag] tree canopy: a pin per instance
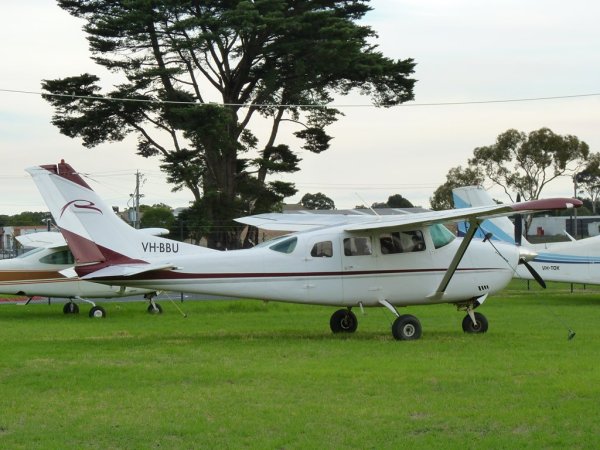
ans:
(525, 163)
(280, 60)
(456, 177)
(394, 201)
(589, 179)
(157, 216)
(317, 201)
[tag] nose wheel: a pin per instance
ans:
(475, 323)
(153, 307)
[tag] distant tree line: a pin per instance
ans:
(27, 218)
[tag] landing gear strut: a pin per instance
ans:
(343, 321)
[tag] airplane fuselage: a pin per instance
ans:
(333, 267)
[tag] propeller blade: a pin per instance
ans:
(518, 224)
(533, 273)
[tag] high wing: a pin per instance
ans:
(303, 222)
(299, 222)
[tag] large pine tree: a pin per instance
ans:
(277, 59)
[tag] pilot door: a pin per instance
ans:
(323, 269)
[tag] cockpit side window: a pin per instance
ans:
(62, 257)
(357, 246)
(322, 250)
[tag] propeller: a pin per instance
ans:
(536, 276)
(525, 255)
(518, 225)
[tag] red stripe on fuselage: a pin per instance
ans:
(171, 275)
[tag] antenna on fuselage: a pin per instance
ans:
(365, 203)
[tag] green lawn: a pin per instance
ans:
(255, 375)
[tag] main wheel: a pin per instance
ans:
(407, 328)
(469, 327)
(71, 308)
(97, 312)
(152, 310)
(343, 321)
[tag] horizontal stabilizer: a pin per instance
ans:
(126, 270)
(69, 272)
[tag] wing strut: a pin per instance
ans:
(473, 225)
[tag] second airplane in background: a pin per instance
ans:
(38, 272)
(571, 261)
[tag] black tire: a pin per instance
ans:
(71, 308)
(469, 327)
(152, 310)
(97, 312)
(407, 328)
(343, 321)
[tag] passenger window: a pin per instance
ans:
(322, 250)
(357, 246)
(390, 244)
(401, 242)
(63, 257)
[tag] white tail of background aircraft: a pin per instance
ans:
(571, 262)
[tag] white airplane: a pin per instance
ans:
(572, 261)
(344, 261)
(38, 273)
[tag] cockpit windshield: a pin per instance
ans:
(440, 235)
(285, 246)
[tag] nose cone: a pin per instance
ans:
(526, 254)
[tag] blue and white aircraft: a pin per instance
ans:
(572, 261)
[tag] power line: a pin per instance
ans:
(293, 105)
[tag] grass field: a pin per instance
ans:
(255, 375)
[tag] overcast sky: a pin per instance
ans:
(466, 51)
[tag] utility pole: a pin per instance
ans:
(575, 209)
(134, 215)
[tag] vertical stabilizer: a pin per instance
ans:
(95, 234)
